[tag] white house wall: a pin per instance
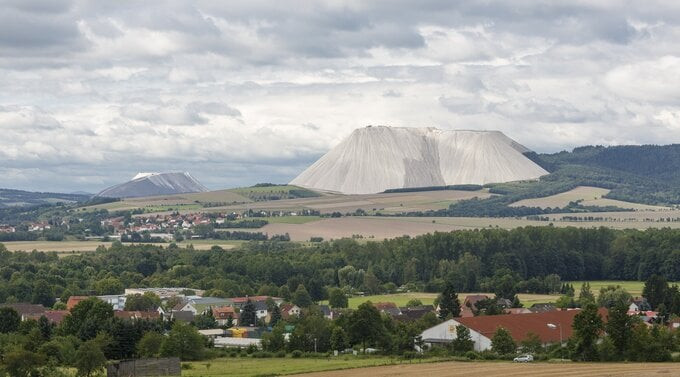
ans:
(445, 332)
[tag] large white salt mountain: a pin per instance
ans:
(153, 184)
(374, 159)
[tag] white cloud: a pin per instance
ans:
(254, 91)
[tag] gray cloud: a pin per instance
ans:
(242, 92)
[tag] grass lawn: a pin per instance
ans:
(291, 219)
(633, 287)
(240, 366)
(428, 298)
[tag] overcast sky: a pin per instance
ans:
(254, 91)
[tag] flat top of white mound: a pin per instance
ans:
(376, 158)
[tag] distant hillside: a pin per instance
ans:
(646, 174)
(19, 198)
(270, 191)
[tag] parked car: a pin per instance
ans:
(523, 359)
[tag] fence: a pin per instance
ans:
(169, 366)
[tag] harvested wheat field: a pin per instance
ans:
(507, 369)
(588, 196)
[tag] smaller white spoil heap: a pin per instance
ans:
(153, 184)
(374, 159)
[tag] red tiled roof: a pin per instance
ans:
(520, 326)
(74, 300)
(223, 312)
(54, 316)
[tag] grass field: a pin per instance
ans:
(509, 369)
(242, 367)
(633, 287)
(400, 299)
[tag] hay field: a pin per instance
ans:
(589, 196)
(509, 369)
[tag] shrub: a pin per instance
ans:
(251, 349)
(281, 354)
(296, 354)
(472, 355)
(409, 355)
(187, 366)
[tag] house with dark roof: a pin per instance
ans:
(26, 310)
(548, 326)
(542, 307)
(53, 316)
(413, 313)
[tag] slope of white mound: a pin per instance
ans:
(153, 184)
(374, 159)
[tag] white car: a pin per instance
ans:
(523, 359)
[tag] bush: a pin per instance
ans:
(296, 354)
(262, 355)
(281, 354)
(472, 355)
(410, 355)
(489, 355)
(251, 349)
(187, 366)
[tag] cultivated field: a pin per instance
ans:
(509, 369)
(589, 196)
(376, 227)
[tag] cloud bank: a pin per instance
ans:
(245, 92)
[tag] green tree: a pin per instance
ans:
(22, 363)
(586, 296)
(337, 298)
(205, 320)
(532, 344)
(46, 328)
(413, 303)
(150, 344)
(449, 306)
(502, 342)
(43, 293)
(89, 359)
(275, 340)
(365, 325)
(88, 318)
(184, 342)
(248, 314)
(149, 301)
(618, 328)
(301, 297)
(655, 290)
(612, 296)
(339, 340)
(463, 341)
(9, 320)
(275, 316)
(108, 286)
(587, 326)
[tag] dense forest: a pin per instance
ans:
(471, 260)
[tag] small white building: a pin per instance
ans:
(445, 332)
(117, 301)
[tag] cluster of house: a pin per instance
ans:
(4, 228)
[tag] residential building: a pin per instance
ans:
(26, 310)
(116, 301)
(223, 313)
(289, 310)
(199, 305)
(134, 315)
(54, 316)
(542, 308)
(413, 313)
(548, 326)
(164, 293)
(75, 300)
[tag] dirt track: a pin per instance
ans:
(507, 369)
